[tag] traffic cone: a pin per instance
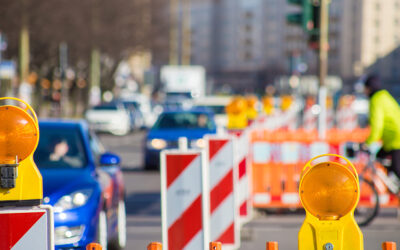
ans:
(215, 245)
(154, 246)
(94, 246)
(272, 245)
(388, 245)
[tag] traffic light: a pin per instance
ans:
(308, 17)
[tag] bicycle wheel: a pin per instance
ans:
(368, 206)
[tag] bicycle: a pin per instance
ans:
(372, 179)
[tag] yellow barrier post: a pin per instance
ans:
(215, 246)
(388, 245)
(21, 181)
(94, 246)
(329, 192)
(272, 245)
(154, 246)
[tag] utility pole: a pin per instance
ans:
(24, 45)
(323, 65)
(173, 32)
(95, 65)
(186, 34)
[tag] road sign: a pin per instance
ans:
(185, 200)
(26, 228)
(224, 218)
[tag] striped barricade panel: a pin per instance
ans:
(224, 223)
(185, 213)
(244, 174)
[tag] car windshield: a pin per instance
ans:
(185, 120)
(60, 148)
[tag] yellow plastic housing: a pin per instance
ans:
(329, 192)
(19, 137)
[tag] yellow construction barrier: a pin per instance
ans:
(21, 181)
(329, 192)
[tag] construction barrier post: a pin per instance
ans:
(272, 245)
(94, 246)
(154, 246)
(215, 246)
(388, 245)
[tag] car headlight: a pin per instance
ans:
(199, 143)
(157, 144)
(73, 200)
(68, 235)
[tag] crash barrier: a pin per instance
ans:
(241, 157)
(276, 157)
(24, 222)
(224, 222)
(205, 194)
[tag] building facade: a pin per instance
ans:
(247, 43)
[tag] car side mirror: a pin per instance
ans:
(108, 159)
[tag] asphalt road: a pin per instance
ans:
(144, 212)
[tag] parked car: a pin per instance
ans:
(136, 116)
(109, 117)
(83, 183)
(143, 105)
(172, 124)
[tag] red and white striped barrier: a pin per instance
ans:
(346, 118)
(184, 207)
(309, 119)
(224, 223)
(244, 177)
(27, 228)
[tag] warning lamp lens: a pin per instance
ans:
(18, 134)
(329, 191)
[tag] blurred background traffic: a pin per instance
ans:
(139, 74)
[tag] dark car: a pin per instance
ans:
(83, 183)
(192, 124)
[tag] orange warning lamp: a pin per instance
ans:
(329, 192)
(21, 182)
(236, 112)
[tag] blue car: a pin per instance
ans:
(192, 124)
(83, 183)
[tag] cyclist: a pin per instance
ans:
(384, 122)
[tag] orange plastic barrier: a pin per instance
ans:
(388, 245)
(154, 246)
(215, 246)
(93, 246)
(272, 245)
(277, 157)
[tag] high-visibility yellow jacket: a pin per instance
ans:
(384, 120)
